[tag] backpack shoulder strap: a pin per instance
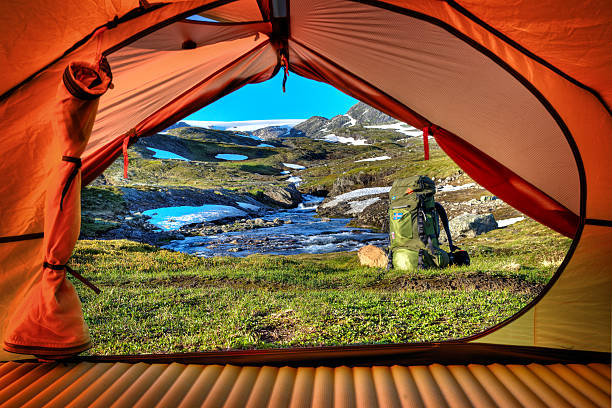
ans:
(444, 218)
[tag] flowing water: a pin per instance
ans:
(304, 234)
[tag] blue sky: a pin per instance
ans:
(304, 98)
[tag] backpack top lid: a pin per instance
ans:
(417, 185)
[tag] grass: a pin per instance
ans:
(157, 301)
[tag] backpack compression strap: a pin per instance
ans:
(444, 218)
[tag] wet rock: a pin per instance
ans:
(285, 197)
(372, 256)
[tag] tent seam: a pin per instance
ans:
(471, 16)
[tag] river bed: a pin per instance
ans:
(304, 233)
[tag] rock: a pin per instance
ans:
(271, 132)
(325, 219)
(309, 127)
(338, 121)
(258, 221)
(285, 197)
(372, 256)
(367, 115)
(351, 182)
(374, 216)
(470, 225)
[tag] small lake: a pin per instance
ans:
(304, 234)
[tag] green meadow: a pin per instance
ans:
(158, 301)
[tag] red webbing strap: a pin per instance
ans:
(426, 142)
(285, 65)
(126, 142)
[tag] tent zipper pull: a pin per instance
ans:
(426, 142)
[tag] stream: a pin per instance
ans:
(304, 234)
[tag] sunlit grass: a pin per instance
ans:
(157, 301)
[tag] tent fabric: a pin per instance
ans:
(49, 320)
(583, 57)
(523, 90)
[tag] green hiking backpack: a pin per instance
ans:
(414, 227)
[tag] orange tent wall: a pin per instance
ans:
(574, 313)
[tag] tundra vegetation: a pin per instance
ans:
(155, 300)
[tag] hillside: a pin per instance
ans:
(363, 148)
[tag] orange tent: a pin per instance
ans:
(518, 94)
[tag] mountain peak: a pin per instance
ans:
(366, 115)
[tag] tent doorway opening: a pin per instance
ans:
(241, 235)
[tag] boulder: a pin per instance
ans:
(285, 197)
(372, 256)
(470, 225)
(374, 216)
(350, 182)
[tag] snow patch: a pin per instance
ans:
(358, 206)
(400, 127)
(353, 120)
(294, 166)
(509, 221)
(264, 145)
(446, 188)
(285, 172)
(225, 156)
(164, 154)
(332, 138)
(244, 125)
(362, 192)
(171, 218)
(373, 159)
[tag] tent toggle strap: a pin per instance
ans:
(285, 65)
(77, 165)
(73, 273)
(126, 143)
(426, 132)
